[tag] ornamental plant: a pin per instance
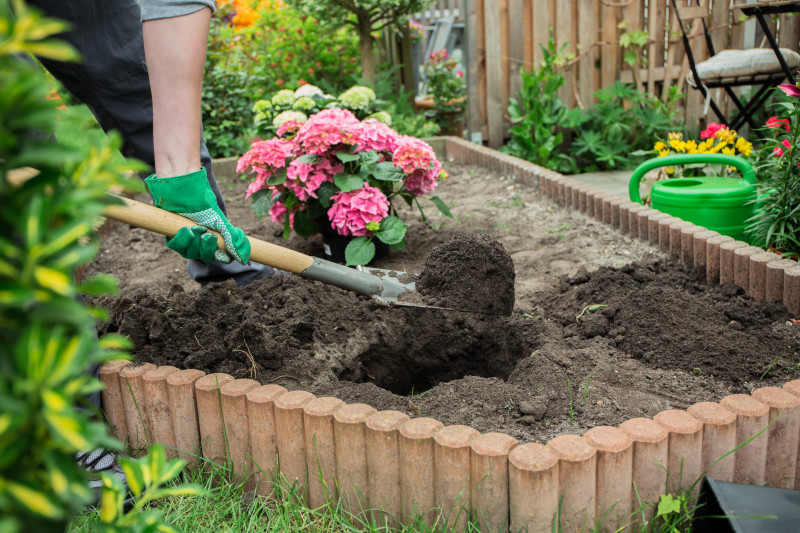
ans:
(287, 105)
(716, 138)
(335, 172)
(776, 224)
(447, 87)
(257, 47)
(52, 194)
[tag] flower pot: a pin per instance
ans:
(334, 244)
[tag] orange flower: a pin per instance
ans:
(279, 82)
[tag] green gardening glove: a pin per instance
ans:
(191, 196)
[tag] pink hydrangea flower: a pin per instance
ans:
(305, 178)
(263, 159)
(278, 213)
(712, 130)
(416, 158)
(377, 136)
(290, 126)
(326, 129)
(352, 211)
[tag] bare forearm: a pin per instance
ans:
(175, 49)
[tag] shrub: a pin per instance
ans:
(47, 339)
(259, 50)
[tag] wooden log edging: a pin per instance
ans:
(324, 448)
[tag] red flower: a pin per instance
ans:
(279, 82)
(775, 122)
(778, 151)
(310, 71)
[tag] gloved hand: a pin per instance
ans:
(191, 196)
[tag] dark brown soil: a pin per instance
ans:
(603, 328)
(471, 272)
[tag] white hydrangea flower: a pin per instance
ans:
(307, 90)
(382, 116)
(357, 97)
(261, 106)
(283, 97)
(304, 103)
(286, 116)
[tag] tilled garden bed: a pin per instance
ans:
(606, 327)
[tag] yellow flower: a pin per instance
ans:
(659, 146)
(729, 150)
(717, 148)
(691, 147)
(745, 147)
(726, 135)
(662, 153)
(677, 145)
(670, 170)
(675, 136)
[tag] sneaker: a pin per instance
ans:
(102, 460)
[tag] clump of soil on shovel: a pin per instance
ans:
(471, 272)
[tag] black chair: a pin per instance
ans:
(759, 67)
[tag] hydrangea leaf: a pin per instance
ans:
(359, 251)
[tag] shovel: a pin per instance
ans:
(384, 286)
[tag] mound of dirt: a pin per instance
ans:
(471, 272)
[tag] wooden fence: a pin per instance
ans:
(504, 36)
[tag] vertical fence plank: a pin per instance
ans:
(494, 72)
(610, 50)
(505, 62)
(516, 46)
(471, 31)
(587, 37)
(541, 23)
(564, 21)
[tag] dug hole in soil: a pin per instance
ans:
(604, 327)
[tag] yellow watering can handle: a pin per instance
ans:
(748, 174)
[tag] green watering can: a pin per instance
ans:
(719, 204)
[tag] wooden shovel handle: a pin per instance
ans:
(165, 223)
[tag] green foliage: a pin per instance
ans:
(537, 114)
(622, 121)
(777, 219)
(147, 478)
(52, 194)
(604, 136)
(447, 86)
(281, 48)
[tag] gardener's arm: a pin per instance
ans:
(175, 37)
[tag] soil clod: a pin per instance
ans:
(471, 272)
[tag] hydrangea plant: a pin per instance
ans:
(334, 171)
(287, 105)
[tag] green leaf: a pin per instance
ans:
(263, 201)
(348, 182)
(392, 231)
(668, 505)
(347, 157)
(386, 171)
(279, 178)
(443, 209)
(359, 251)
(325, 192)
(309, 159)
(99, 284)
(304, 223)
